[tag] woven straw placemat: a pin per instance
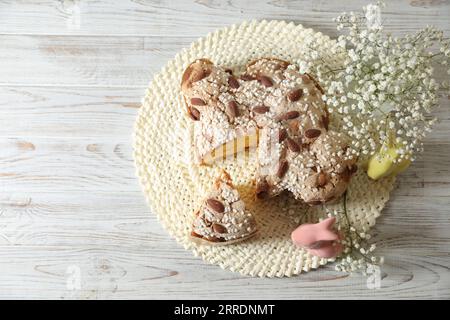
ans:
(174, 187)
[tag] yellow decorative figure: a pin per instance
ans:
(382, 163)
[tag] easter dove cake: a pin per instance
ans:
(274, 107)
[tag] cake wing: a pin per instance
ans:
(296, 150)
(222, 217)
(222, 125)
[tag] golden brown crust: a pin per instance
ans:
(286, 101)
(193, 72)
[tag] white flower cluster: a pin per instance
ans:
(357, 255)
(384, 92)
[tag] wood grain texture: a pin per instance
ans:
(84, 61)
(72, 77)
(189, 19)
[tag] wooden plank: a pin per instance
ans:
(143, 272)
(67, 165)
(197, 18)
(83, 113)
(84, 61)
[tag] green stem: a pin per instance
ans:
(348, 228)
(334, 70)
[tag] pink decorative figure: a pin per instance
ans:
(318, 238)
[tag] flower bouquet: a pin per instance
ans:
(382, 97)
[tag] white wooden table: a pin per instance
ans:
(72, 74)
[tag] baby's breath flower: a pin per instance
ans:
(384, 88)
(357, 252)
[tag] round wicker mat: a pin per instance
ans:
(174, 187)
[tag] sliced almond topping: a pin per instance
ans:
(233, 83)
(233, 109)
(265, 81)
(288, 115)
(282, 134)
(295, 95)
(282, 169)
(312, 133)
(261, 109)
(219, 228)
(194, 113)
(322, 179)
(292, 145)
(215, 205)
(197, 102)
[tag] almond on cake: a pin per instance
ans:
(222, 217)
